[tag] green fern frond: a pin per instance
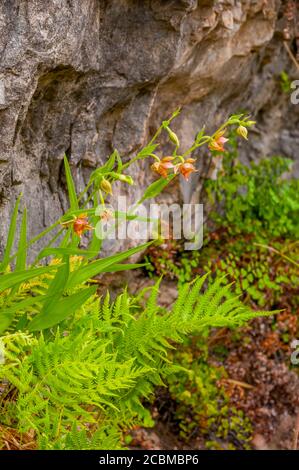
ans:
(78, 385)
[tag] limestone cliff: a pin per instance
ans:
(82, 77)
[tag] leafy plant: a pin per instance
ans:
(92, 372)
(256, 198)
(285, 82)
(77, 368)
(202, 407)
(170, 260)
(55, 302)
(259, 272)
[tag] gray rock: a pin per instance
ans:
(84, 77)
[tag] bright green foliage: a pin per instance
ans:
(285, 82)
(93, 373)
(256, 198)
(77, 369)
(172, 261)
(10, 237)
(202, 406)
(54, 302)
(103, 438)
(257, 271)
(58, 295)
(233, 426)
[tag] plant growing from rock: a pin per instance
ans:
(79, 367)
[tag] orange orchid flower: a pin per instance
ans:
(186, 168)
(161, 167)
(218, 143)
(80, 224)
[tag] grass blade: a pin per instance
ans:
(11, 236)
(70, 186)
(125, 267)
(22, 248)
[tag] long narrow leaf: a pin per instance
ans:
(57, 286)
(11, 236)
(9, 280)
(66, 251)
(89, 271)
(70, 186)
(125, 267)
(62, 310)
(156, 188)
(7, 315)
(22, 248)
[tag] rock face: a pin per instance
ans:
(83, 77)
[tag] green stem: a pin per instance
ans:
(154, 138)
(84, 191)
(274, 250)
(196, 145)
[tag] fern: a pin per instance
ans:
(91, 375)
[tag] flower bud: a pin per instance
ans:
(173, 137)
(105, 186)
(126, 179)
(242, 132)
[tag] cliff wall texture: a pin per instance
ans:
(82, 77)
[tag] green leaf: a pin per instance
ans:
(70, 186)
(87, 272)
(156, 188)
(57, 286)
(22, 248)
(7, 316)
(109, 165)
(43, 233)
(66, 251)
(11, 236)
(9, 280)
(62, 310)
(96, 243)
(125, 267)
(65, 241)
(146, 151)
(119, 162)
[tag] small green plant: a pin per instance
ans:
(285, 82)
(171, 261)
(202, 405)
(259, 273)
(256, 198)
